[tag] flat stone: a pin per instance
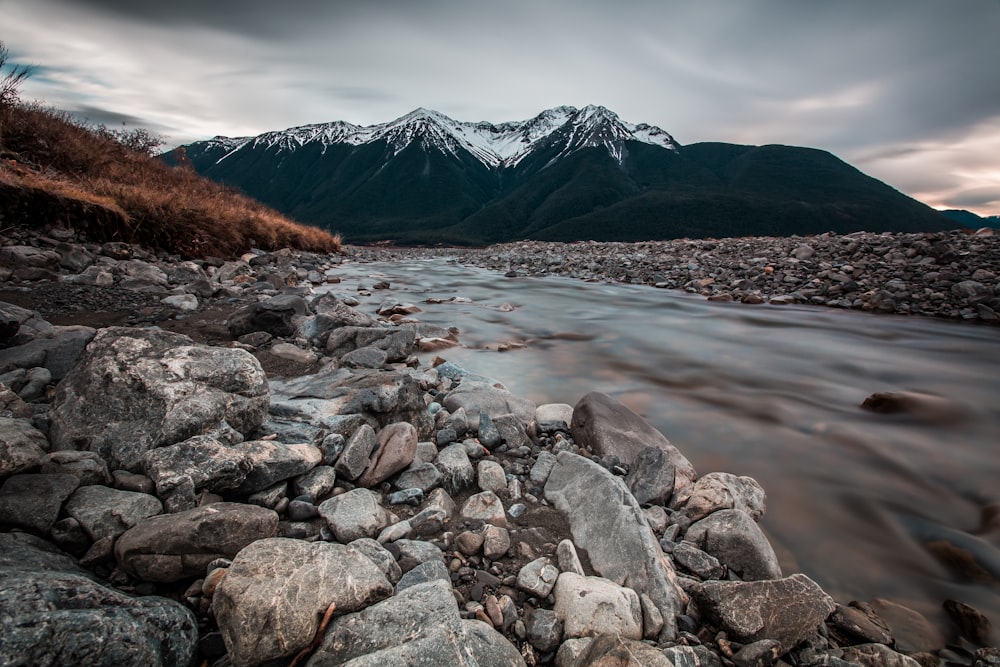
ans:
(538, 577)
(432, 570)
(477, 396)
(88, 467)
(271, 600)
(204, 462)
(272, 462)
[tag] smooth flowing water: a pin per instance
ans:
(869, 505)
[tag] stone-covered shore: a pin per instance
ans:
(297, 486)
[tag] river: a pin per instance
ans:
(869, 505)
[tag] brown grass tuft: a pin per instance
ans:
(55, 171)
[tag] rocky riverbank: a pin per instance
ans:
(272, 476)
(949, 274)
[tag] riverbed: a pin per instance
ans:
(898, 506)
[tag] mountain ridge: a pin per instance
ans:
(565, 174)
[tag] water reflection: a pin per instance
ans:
(869, 505)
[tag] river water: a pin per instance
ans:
(869, 505)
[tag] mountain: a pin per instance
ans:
(566, 174)
(970, 219)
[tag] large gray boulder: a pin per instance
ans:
(32, 502)
(787, 610)
(609, 524)
(58, 350)
(354, 515)
(104, 512)
(608, 428)
(419, 626)
(138, 389)
(203, 462)
(477, 396)
(272, 461)
(277, 316)
(736, 541)
(397, 343)
(22, 446)
(54, 613)
(591, 606)
(722, 491)
(271, 599)
(170, 547)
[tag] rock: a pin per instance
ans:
(293, 353)
(365, 357)
(608, 523)
(485, 507)
(650, 478)
(554, 416)
(423, 476)
(394, 344)
(55, 613)
(489, 434)
(357, 453)
(859, 622)
(22, 256)
(276, 316)
(272, 461)
(58, 350)
(696, 561)
(184, 302)
(911, 630)
(379, 555)
(457, 473)
(412, 553)
(397, 445)
(22, 446)
(591, 606)
(104, 512)
(544, 464)
(692, 656)
(316, 484)
(469, 543)
(185, 390)
(88, 467)
(354, 515)
(722, 491)
(477, 396)
(737, 541)
(610, 650)
(606, 427)
(544, 630)
(274, 594)
(925, 407)
(432, 570)
(203, 462)
(568, 559)
(571, 651)
(972, 623)
(496, 542)
(171, 547)
(13, 406)
(538, 577)
(512, 431)
(787, 610)
(763, 653)
(32, 502)
(491, 477)
(877, 655)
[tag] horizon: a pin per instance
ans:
(907, 94)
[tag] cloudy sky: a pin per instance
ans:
(906, 90)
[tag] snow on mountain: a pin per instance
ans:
(502, 145)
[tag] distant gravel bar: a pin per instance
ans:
(946, 274)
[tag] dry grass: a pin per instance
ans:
(56, 171)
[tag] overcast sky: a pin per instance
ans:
(906, 90)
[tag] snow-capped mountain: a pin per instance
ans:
(566, 174)
(496, 146)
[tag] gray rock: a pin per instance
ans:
(396, 344)
(457, 473)
(137, 389)
(571, 651)
(354, 515)
(722, 491)
(877, 655)
(544, 464)
(272, 461)
(650, 478)
(491, 477)
(24, 256)
(276, 316)
(397, 445)
(763, 653)
(608, 523)
(489, 434)
(544, 630)
(357, 453)
(171, 547)
(557, 416)
(423, 476)
(88, 467)
(613, 649)
(589, 606)
(58, 350)
(183, 302)
(476, 397)
(379, 555)
(32, 502)
(22, 446)
(271, 600)
(496, 542)
(692, 656)
(787, 610)
(203, 462)
(538, 577)
(568, 559)
(104, 512)
(738, 542)
(317, 483)
(606, 427)
(696, 561)
(406, 497)
(432, 570)
(439, 499)
(419, 626)
(365, 357)
(414, 552)
(485, 507)
(512, 431)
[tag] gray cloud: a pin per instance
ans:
(880, 81)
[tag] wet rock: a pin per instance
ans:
(397, 445)
(877, 655)
(88, 467)
(355, 514)
(170, 547)
(457, 473)
(608, 523)
(926, 407)
(787, 610)
(32, 502)
(606, 427)
(721, 491)
(274, 594)
(737, 541)
(911, 630)
(105, 512)
(138, 389)
(22, 446)
(972, 623)
(55, 613)
(859, 623)
(420, 625)
(590, 606)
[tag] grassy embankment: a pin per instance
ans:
(55, 171)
